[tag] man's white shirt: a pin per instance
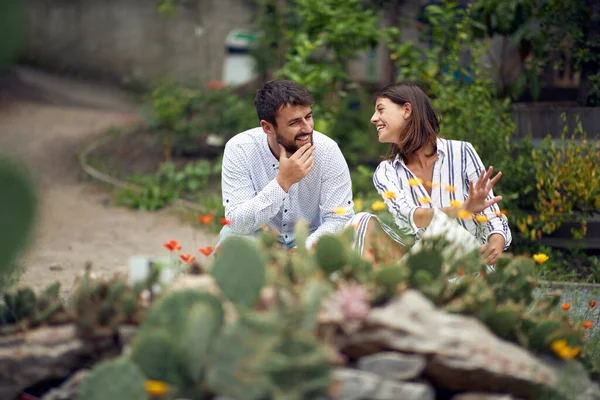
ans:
(253, 198)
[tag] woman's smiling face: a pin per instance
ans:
(389, 118)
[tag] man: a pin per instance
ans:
(285, 171)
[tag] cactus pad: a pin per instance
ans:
(240, 271)
(115, 379)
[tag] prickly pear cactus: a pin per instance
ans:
(330, 253)
(298, 367)
(18, 212)
(172, 343)
(236, 360)
(116, 380)
(155, 353)
(240, 271)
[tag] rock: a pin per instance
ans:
(573, 381)
(68, 390)
(353, 384)
(393, 365)
(462, 353)
(483, 396)
(47, 353)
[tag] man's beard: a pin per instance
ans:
(290, 146)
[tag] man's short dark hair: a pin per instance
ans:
(277, 94)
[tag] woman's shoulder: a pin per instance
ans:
(455, 145)
(385, 165)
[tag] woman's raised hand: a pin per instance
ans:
(478, 192)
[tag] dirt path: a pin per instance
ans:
(77, 222)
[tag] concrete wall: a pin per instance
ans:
(125, 39)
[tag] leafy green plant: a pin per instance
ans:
(168, 184)
(568, 186)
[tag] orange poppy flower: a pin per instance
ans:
(566, 306)
(207, 251)
(206, 219)
(587, 324)
(172, 245)
(224, 221)
(592, 304)
(187, 258)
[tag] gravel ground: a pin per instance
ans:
(77, 222)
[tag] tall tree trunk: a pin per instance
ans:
(389, 66)
(590, 67)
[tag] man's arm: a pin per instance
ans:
(246, 209)
(336, 191)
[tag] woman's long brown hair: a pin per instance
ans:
(422, 127)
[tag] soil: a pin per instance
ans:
(78, 222)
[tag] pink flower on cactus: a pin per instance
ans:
(348, 306)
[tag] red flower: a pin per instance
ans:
(187, 258)
(592, 304)
(206, 219)
(215, 84)
(172, 245)
(224, 221)
(587, 324)
(207, 251)
(566, 306)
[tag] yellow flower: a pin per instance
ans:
(156, 388)
(455, 203)
(482, 219)
(568, 353)
(358, 205)
(558, 345)
(529, 220)
(390, 195)
(414, 182)
(340, 210)
(424, 200)
(464, 215)
(450, 188)
(378, 205)
(435, 185)
(540, 258)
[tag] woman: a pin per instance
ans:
(427, 181)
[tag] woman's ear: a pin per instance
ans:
(407, 110)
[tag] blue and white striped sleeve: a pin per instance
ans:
(497, 223)
(247, 210)
(402, 208)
